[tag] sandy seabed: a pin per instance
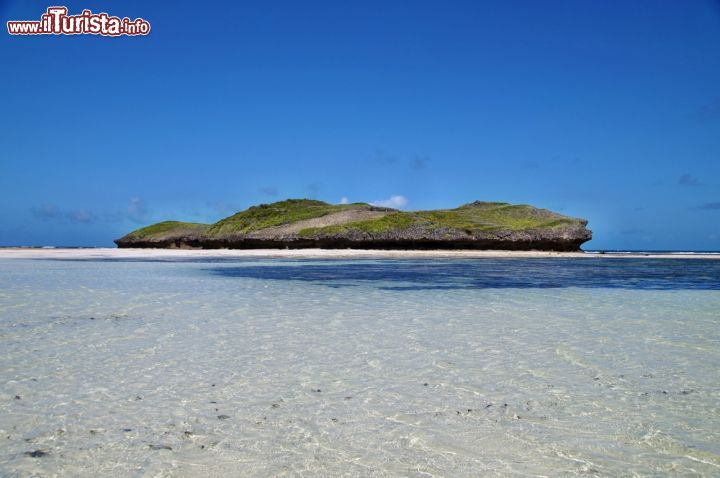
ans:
(184, 363)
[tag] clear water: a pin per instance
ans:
(515, 367)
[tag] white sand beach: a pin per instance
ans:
(132, 253)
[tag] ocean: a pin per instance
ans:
(411, 367)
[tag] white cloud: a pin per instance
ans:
(395, 202)
(344, 200)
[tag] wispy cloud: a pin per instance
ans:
(314, 189)
(81, 215)
(46, 212)
(50, 212)
(222, 207)
(382, 157)
(418, 163)
(709, 111)
(269, 190)
(415, 163)
(710, 206)
(395, 202)
(344, 200)
(137, 210)
(688, 180)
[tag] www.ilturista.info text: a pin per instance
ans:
(56, 21)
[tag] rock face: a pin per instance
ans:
(304, 223)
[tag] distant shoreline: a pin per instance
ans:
(169, 254)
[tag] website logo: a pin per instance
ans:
(56, 21)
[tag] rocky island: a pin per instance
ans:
(306, 223)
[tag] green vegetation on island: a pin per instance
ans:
(278, 213)
(310, 223)
(165, 228)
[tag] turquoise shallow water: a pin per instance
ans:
(515, 367)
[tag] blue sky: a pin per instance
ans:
(605, 110)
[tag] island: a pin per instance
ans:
(308, 223)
